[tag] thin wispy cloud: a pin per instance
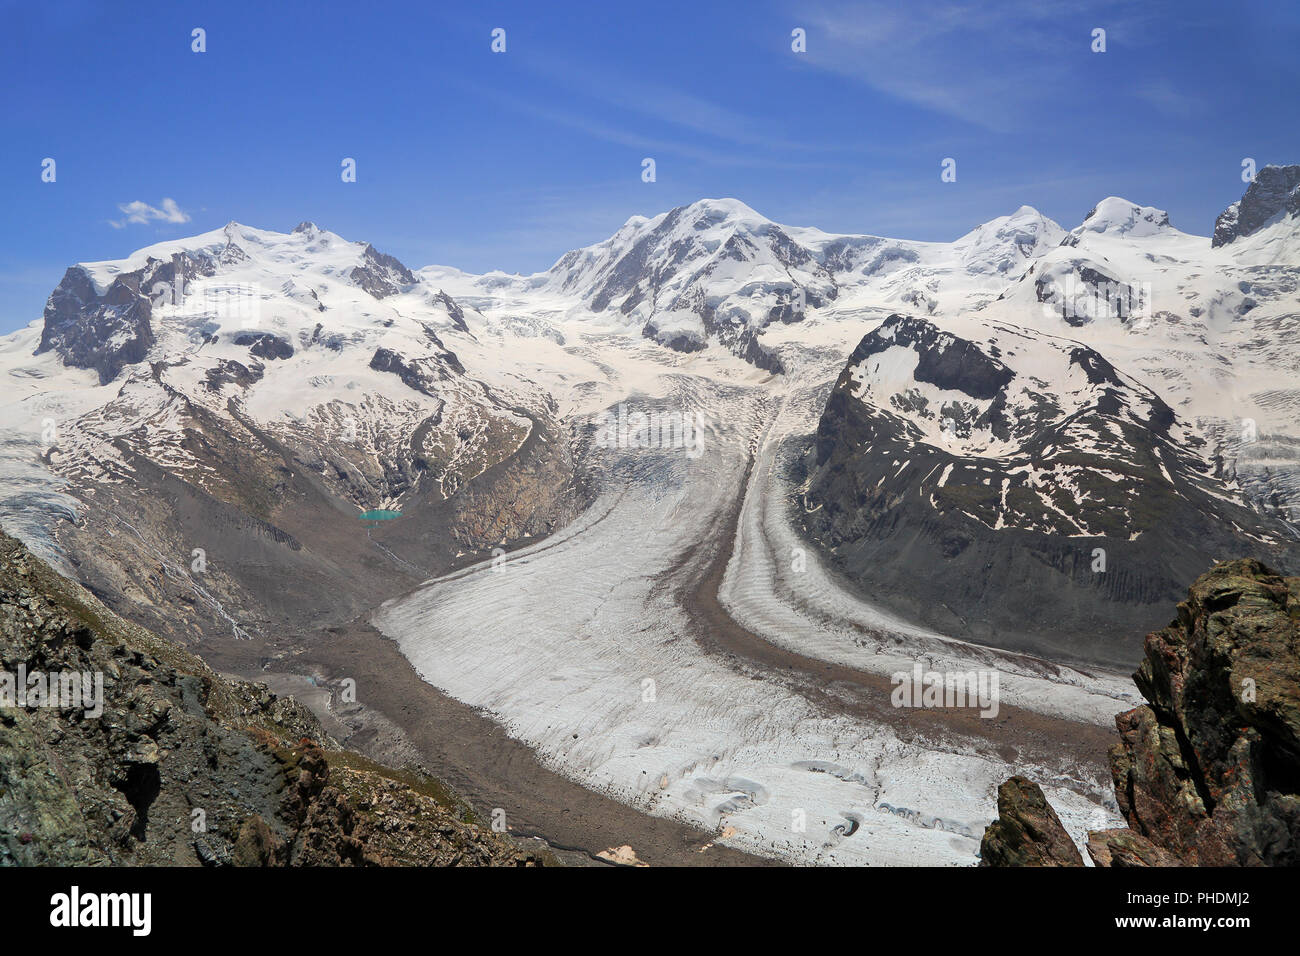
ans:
(993, 65)
(141, 213)
(651, 145)
(674, 107)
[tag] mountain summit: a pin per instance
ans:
(1017, 360)
(1121, 217)
(1272, 198)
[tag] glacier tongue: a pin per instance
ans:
(581, 646)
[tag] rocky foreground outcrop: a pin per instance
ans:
(1027, 831)
(173, 764)
(1207, 772)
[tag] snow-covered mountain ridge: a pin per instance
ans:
(393, 386)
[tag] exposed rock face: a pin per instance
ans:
(688, 341)
(1122, 847)
(968, 475)
(103, 333)
(454, 311)
(233, 373)
(110, 331)
(1084, 292)
(1027, 832)
(184, 767)
(1207, 772)
(1275, 192)
(943, 360)
(265, 345)
(1209, 769)
(380, 274)
(418, 373)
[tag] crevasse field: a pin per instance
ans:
(558, 641)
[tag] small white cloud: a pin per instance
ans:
(141, 212)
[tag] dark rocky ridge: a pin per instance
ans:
(418, 373)
(265, 345)
(102, 333)
(1207, 771)
(1013, 570)
(380, 274)
(184, 767)
(1097, 290)
(106, 333)
(1275, 192)
(454, 312)
(943, 359)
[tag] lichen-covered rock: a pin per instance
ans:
(1209, 768)
(1122, 847)
(1207, 771)
(1027, 831)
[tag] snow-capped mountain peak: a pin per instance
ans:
(722, 210)
(1003, 244)
(1115, 215)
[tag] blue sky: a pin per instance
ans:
(481, 160)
